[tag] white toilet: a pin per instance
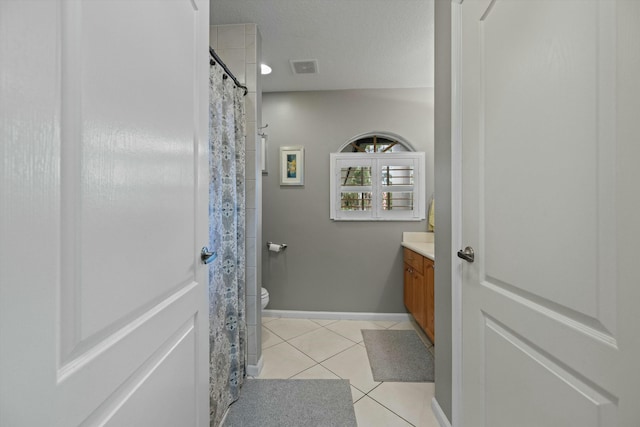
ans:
(265, 297)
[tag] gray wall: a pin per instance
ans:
(335, 266)
(442, 154)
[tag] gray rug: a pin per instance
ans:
(398, 356)
(293, 403)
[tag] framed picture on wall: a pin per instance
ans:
(292, 165)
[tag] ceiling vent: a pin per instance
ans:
(304, 66)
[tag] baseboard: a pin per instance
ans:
(443, 421)
(254, 370)
(337, 315)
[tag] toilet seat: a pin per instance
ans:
(264, 294)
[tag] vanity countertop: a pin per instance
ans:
(420, 242)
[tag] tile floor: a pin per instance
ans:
(318, 349)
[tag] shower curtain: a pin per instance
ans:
(227, 322)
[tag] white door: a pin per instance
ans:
(103, 305)
(550, 128)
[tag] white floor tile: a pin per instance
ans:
(356, 394)
(404, 326)
(284, 361)
(384, 323)
(427, 418)
(351, 328)
(269, 339)
(267, 319)
(371, 414)
(320, 344)
(290, 328)
(412, 401)
(324, 322)
(353, 364)
(317, 372)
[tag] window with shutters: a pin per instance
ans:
(377, 178)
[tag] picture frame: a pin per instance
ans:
(292, 165)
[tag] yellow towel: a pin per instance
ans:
(431, 223)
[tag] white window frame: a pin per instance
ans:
(377, 161)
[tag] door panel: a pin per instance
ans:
(159, 383)
(541, 331)
(555, 396)
(176, 405)
(114, 328)
(131, 161)
(544, 114)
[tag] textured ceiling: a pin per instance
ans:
(358, 43)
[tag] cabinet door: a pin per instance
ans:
(419, 299)
(429, 299)
(408, 288)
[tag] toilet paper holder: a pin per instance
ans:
(282, 246)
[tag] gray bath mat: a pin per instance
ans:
(293, 403)
(398, 356)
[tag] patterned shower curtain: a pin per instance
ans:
(227, 322)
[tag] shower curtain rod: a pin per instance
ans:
(217, 59)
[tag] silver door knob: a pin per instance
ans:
(467, 254)
(207, 256)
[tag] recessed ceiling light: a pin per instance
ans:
(265, 69)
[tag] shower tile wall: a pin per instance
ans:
(239, 46)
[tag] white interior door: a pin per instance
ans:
(103, 308)
(550, 116)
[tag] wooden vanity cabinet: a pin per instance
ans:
(418, 290)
